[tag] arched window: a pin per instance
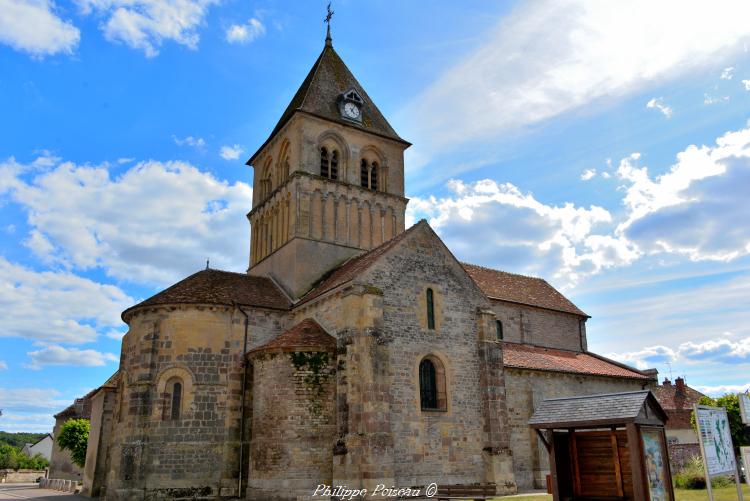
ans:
(174, 399)
(432, 394)
(499, 327)
(329, 163)
(374, 176)
(334, 172)
(324, 162)
(363, 174)
(430, 310)
(427, 385)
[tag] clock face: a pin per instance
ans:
(351, 110)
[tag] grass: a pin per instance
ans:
(720, 494)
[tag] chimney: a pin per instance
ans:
(652, 374)
(667, 382)
(680, 383)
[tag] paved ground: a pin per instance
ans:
(32, 491)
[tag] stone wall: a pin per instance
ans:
(537, 326)
(197, 455)
(293, 423)
(20, 476)
(526, 389)
(61, 465)
(384, 435)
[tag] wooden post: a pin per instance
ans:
(636, 463)
(665, 452)
(737, 479)
(616, 459)
(553, 467)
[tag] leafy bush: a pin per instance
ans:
(692, 476)
(74, 437)
(13, 459)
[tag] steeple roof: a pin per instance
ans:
(318, 95)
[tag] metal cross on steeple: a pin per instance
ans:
(327, 20)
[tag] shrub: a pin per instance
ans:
(692, 476)
(74, 437)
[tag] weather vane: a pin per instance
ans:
(327, 20)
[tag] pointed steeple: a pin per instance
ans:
(318, 95)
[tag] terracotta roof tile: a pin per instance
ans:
(353, 267)
(671, 399)
(318, 95)
(306, 334)
(219, 287)
(520, 289)
(523, 356)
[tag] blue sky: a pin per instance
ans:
(604, 147)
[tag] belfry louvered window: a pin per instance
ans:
(329, 163)
(427, 385)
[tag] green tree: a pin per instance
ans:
(74, 437)
(8, 457)
(731, 402)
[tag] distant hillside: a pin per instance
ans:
(19, 439)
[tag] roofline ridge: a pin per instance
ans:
(503, 271)
(581, 397)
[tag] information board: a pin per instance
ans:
(716, 440)
(744, 399)
(745, 453)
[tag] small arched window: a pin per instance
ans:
(430, 309)
(499, 328)
(334, 172)
(174, 400)
(427, 385)
(363, 174)
(324, 162)
(374, 176)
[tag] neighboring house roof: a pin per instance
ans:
(353, 267)
(81, 407)
(211, 286)
(318, 95)
(677, 397)
(522, 356)
(592, 409)
(521, 289)
(306, 335)
(43, 438)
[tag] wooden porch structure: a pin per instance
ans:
(606, 447)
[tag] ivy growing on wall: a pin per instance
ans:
(315, 365)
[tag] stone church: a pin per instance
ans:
(353, 352)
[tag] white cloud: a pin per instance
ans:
(720, 350)
(32, 26)
(728, 73)
(56, 306)
(230, 152)
(519, 231)
(699, 208)
(658, 103)
(746, 83)
(245, 33)
(195, 142)
(3, 366)
(58, 355)
(146, 24)
(709, 99)
(125, 160)
(721, 390)
(646, 358)
(588, 174)
(155, 223)
(526, 73)
(30, 409)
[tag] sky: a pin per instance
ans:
(604, 146)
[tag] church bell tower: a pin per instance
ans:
(328, 183)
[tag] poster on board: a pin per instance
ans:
(745, 454)
(656, 468)
(744, 399)
(715, 437)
